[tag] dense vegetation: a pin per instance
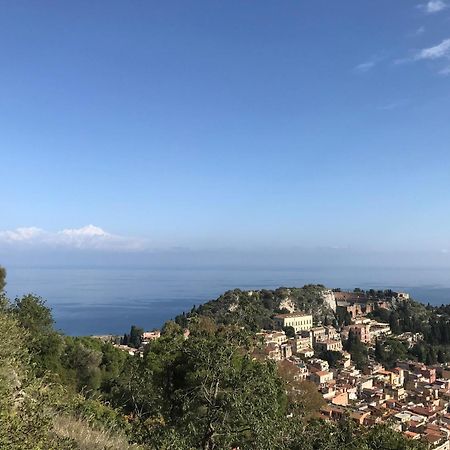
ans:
(51, 385)
(254, 309)
(432, 323)
(211, 391)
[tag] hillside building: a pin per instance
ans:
(298, 321)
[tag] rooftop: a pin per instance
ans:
(294, 314)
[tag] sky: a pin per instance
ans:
(206, 125)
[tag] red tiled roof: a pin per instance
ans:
(294, 314)
(321, 373)
(431, 438)
(421, 411)
(411, 434)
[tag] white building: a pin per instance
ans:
(298, 321)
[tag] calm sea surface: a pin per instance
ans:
(109, 300)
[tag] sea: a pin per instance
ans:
(108, 300)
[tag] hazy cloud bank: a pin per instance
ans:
(89, 237)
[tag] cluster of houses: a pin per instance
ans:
(309, 339)
(413, 397)
(146, 338)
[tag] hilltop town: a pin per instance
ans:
(326, 370)
(411, 396)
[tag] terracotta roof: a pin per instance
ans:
(349, 296)
(421, 411)
(294, 314)
(432, 428)
(322, 373)
(411, 434)
(431, 438)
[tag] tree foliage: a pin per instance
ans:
(207, 389)
(206, 392)
(2, 278)
(357, 349)
(255, 309)
(25, 422)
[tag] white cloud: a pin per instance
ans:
(434, 6)
(393, 105)
(87, 237)
(439, 53)
(441, 50)
(22, 234)
(88, 230)
(365, 66)
(371, 63)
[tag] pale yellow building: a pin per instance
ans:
(329, 345)
(298, 321)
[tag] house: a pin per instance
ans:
(303, 372)
(321, 376)
(346, 361)
(130, 350)
(400, 295)
(378, 329)
(329, 345)
(306, 352)
(359, 416)
(318, 364)
(151, 335)
(333, 412)
(362, 332)
(340, 399)
(301, 342)
(272, 351)
(277, 337)
(318, 333)
(285, 350)
(298, 321)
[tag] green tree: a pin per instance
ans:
(379, 351)
(135, 336)
(45, 345)
(84, 362)
(333, 358)
(33, 314)
(2, 278)
(25, 402)
(389, 351)
(345, 434)
(343, 317)
(290, 331)
(357, 349)
(207, 389)
(394, 323)
(303, 397)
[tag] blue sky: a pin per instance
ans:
(225, 124)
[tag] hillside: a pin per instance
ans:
(206, 392)
(255, 309)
